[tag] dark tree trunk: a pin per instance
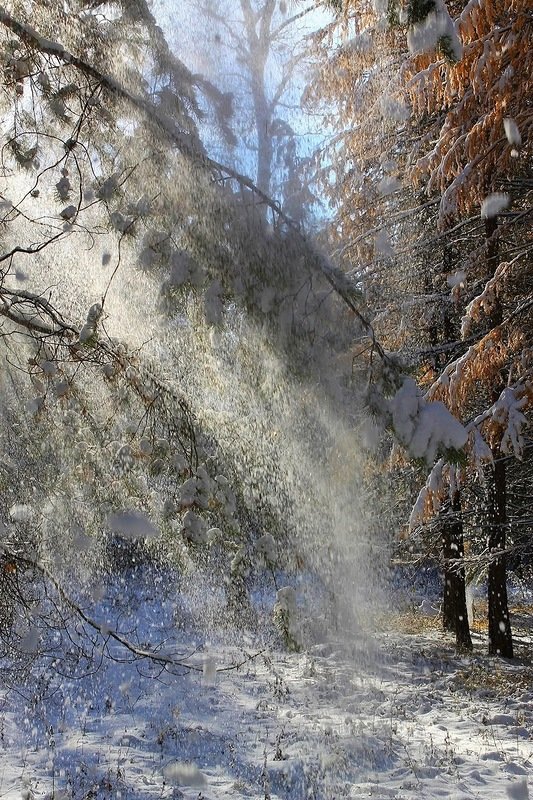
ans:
(500, 635)
(454, 610)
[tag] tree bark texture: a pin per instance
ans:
(500, 635)
(454, 610)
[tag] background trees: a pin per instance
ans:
(255, 52)
(477, 152)
(464, 146)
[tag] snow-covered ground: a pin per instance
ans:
(392, 715)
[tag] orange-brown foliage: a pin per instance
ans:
(465, 151)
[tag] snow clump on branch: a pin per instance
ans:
(494, 204)
(436, 30)
(425, 429)
(511, 131)
(507, 411)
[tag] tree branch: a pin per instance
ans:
(167, 660)
(185, 143)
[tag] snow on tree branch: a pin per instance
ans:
(425, 429)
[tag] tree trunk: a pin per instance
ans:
(258, 34)
(454, 610)
(265, 146)
(500, 636)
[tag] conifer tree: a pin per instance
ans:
(382, 226)
(479, 127)
(466, 148)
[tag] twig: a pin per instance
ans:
(106, 632)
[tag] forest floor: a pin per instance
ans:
(396, 714)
